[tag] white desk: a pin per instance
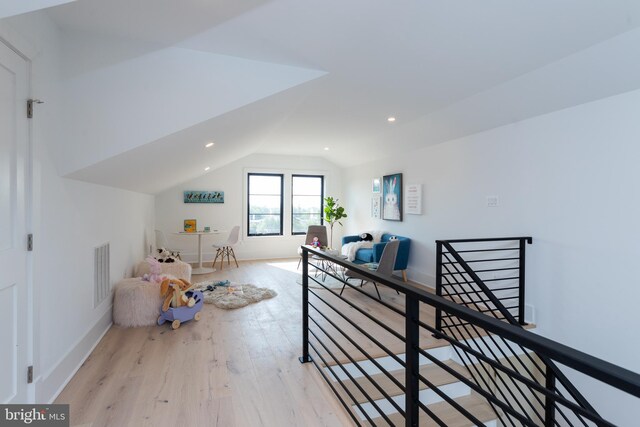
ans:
(200, 269)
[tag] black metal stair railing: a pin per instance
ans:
(383, 363)
(502, 267)
(457, 281)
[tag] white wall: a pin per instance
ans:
(570, 180)
(70, 218)
(171, 211)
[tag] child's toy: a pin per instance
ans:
(316, 242)
(366, 237)
(166, 256)
(214, 285)
(175, 293)
(156, 271)
(183, 314)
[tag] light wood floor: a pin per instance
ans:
(232, 368)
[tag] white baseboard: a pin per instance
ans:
(51, 384)
(207, 257)
(421, 277)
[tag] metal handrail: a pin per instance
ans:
(557, 373)
(606, 372)
(506, 313)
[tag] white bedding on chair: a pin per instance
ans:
(349, 250)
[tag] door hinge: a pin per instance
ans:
(29, 374)
(29, 242)
(30, 103)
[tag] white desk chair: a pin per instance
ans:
(226, 249)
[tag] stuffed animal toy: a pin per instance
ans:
(166, 256)
(366, 237)
(315, 243)
(174, 291)
(156, 271)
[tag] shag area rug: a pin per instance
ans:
(234, 295)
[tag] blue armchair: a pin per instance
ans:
(373, 254)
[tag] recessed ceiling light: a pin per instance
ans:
(326, 148)
(391, 119)
(210, 144)
(207, 168)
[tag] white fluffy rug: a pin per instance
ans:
(234, 295)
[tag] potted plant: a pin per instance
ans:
(333, 213)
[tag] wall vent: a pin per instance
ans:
(101, 282)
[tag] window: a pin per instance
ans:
(265, 204)
(306, 202)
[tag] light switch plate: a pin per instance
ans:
(492, 201)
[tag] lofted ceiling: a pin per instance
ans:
(295, 76)
(12, 7)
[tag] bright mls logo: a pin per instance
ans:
(34, 415)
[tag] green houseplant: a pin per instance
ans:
(333, 213)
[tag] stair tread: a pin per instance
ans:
(424, 345)
(377, 353)
(432, 372)
(473, 403)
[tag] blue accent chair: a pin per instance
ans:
(373, 254)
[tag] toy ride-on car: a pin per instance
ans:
(183, 314)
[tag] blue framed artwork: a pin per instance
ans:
(204, 196)
(392, 197)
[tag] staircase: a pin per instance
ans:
(361, 390)
(459, 358)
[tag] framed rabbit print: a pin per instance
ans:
(392, 197)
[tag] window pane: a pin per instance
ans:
(260, 184)
(265, 204)
(306, 202)
(264, 224)
(307, 185)
(302, 221)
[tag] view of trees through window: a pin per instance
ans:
(306, 202)
(265, 204)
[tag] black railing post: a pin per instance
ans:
(305, 308)
(412, 360)
(521, 280)
(549, 403)
(438, 283)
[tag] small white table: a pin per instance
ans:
(200, 269)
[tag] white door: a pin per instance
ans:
(13, 245)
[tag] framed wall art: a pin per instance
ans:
(392, 197)
(204, 197)
(375, 185)
(413, 199)
(375, 206)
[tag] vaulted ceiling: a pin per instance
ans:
(296, 76)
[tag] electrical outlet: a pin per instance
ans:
(492, 201)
